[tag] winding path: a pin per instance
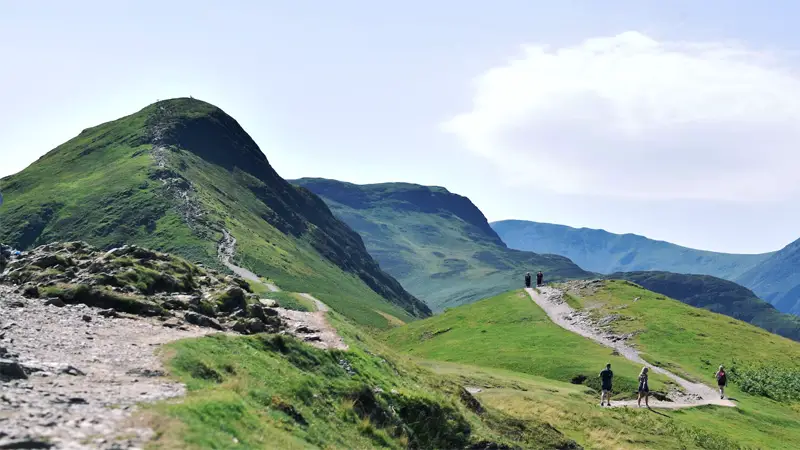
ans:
(313, 326)
(551, 301)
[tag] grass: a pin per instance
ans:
(718, 295)
(438, 244)
(272, 391)
(111, 192)
(692, 341)
(510, 332)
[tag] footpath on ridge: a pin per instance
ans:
(313, 326)
(552, 302)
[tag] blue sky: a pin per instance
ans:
(670, 119)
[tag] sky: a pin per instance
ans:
(675, 120)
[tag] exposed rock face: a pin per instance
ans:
(137, 281)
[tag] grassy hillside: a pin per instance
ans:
(689, 341)
(437, 244)
(271, 391)
(604, 252)
(174, 177)
(718, 295)
(777, 279)
(511, 332)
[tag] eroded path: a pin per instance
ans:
(552, 302)
(311, 326)
(86, 374)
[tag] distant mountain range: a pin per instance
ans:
(774, 277)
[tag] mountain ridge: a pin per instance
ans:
(174, 176)
(438, 244)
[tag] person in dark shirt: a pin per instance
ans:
(606, 376)
(539, 279)
(528, 280)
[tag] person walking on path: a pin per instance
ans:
(539, 279)
(644, 388)
(528, 280)
(722, 381)
(606, 376)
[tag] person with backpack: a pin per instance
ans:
(606, 376)
(722, 381)
(644, 388)
(539, 278)
(528, 280)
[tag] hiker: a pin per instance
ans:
(722, 381)
(528, 280)
(606, 375)
(539, 278)
(644, 389)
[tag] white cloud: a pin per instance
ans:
(631, 116)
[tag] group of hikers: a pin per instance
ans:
(539, 279)
(606, 376)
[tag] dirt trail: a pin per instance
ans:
(551, 301)
(312, 327)
(225, 252)
(87, 374)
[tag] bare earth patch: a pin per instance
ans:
(85, 374)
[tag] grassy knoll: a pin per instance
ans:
(510, 332)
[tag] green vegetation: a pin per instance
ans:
(690, 341)
(272, 391)
(438, 244)
(778, 383)
(715, 294)
(604, 252)
(510, 332)
(172, 177)
(516, 347)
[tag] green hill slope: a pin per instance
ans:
(174, 177)
(777, 279)
(604, 252)
(509, 334)
(437, 244)
(720, 296)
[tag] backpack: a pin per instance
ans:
(722, 377)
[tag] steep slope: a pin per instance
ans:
(604, 252)
(175, 177)
(718, 295)
(777, 279)
(438, 244)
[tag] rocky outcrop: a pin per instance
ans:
(135, 281)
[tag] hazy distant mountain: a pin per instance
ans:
(777, 279)
(604, 252)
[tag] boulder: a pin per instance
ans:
(30, 291)
(12, 370)
(269, 303)
(202, 321)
